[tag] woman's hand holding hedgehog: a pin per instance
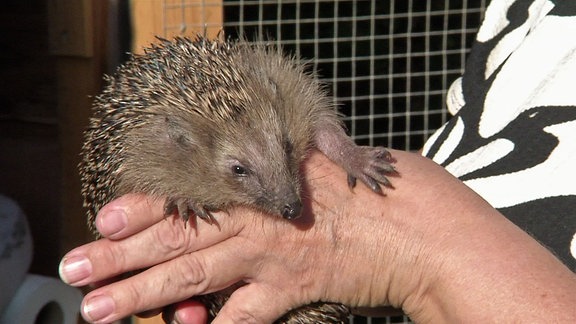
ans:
(431, 247)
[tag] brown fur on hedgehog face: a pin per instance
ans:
(217, 165)
(249, 154)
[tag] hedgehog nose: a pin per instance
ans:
(292, 210)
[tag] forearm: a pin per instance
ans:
(430, 246)
(496, 273)
(482, 268)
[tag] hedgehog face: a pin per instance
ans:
(232, 128)
(258, 166)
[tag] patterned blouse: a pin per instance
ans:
(512, 138)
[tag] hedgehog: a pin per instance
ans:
(211, 124)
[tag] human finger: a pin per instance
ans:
(165, 240)
(186, 312)
(201, 272)
(129, 214)
(246, 305)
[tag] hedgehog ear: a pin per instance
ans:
(175, 133)
(178, 133)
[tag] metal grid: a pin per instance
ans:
(387, 63)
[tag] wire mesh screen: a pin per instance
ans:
(387, 63)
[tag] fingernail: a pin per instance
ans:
(112, 222)
(74, 269)
(98, 308)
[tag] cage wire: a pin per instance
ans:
(388, 64)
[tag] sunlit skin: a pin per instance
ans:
(431, 246)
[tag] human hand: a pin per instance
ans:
(356, 248)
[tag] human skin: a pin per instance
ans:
(430, 246)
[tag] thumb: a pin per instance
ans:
(254, 303)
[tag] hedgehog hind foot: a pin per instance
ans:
(183, 207)
(371, 165)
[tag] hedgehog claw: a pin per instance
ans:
(169, 206)
(183, 207)
(204, 214)
(371, 165)
(183, 211)
(373, 184)
(351, 181)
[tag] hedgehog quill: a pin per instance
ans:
(210, 124)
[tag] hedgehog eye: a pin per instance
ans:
(239, 170)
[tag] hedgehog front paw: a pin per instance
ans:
(370, 165)
(183, 206)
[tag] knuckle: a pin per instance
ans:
(194, 271)
(132, 291)
(242, 315)
(171, 237)
(249, 304)
(109, 258)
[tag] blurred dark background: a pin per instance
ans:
(30, 154)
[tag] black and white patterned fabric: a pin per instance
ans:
(513, 135)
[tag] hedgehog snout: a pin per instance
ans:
(292, 210)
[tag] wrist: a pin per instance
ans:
(436, 232)
(488, 270)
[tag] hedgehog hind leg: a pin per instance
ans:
(183, 207)
(371, 165)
